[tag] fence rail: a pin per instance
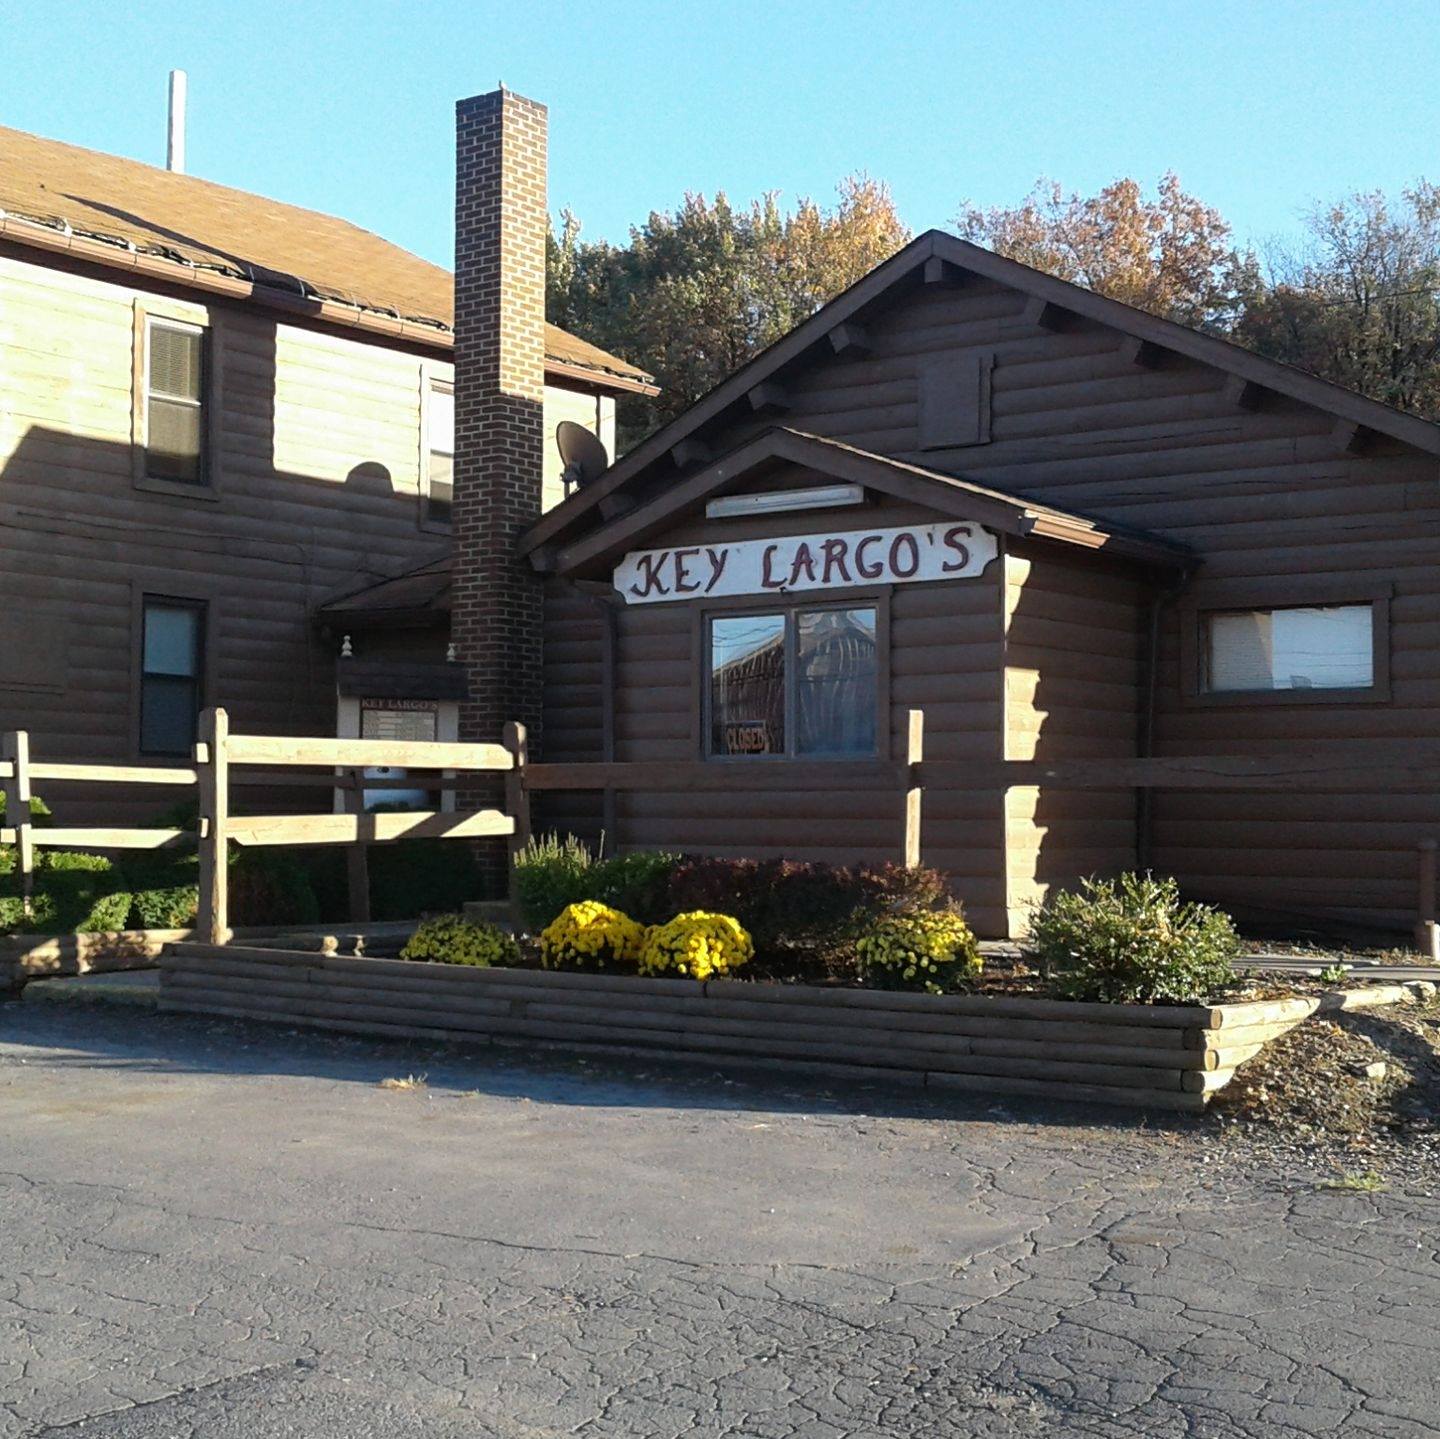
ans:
(211, 775)
(274, 762)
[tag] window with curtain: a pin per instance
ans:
(801, 683)
(1303, 647)
(172, 645)
(175, 402)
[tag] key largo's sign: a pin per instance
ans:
(952, 550)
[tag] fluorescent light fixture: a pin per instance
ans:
(774, 502)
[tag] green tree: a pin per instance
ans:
(699, 291)
(1358, 300)
(1171, 255)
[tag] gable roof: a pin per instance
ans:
(946, 494)
(927, 256)
(116, 211)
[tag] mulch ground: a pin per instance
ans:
(1320, 1090)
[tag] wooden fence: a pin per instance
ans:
(267, 757)
(277, 758)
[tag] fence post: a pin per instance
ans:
(1425, 931)
(212, 760)
(357, 855)
(517, 806)
(17, 813)
(914, 753)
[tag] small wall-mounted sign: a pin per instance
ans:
(845, 560)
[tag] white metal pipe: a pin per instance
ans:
(175, 145)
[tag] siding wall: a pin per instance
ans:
(946, 656)
(1072, 639)
(1258, 493)
(319, 451)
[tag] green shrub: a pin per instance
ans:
(452, 939)
(169, 907)
(930, 950)
(804, 915)
(638, 883)
(551, 873)
(1133, 941)
(267, 887)
(411, 877)
(74, 893)
(39, 810)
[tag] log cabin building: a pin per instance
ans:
(217, 414)
(1066, 530)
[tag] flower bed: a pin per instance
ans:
(1144, 1056)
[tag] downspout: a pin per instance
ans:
(1148, 690)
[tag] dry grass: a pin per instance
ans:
(411, 1084)
(1367, 1183)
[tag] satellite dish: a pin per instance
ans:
(583, 454)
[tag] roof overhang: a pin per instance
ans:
(289, 299)
(936, 256)
(950, 495)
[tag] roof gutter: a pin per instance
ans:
(430, 334)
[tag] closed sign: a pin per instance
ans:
(848, 560)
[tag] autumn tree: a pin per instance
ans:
(699, 291)
(1171, 255)
(1357, 301)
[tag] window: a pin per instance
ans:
(174, 402)
(1318, 647)
(171, 664)
(802, 682)
(440, 456)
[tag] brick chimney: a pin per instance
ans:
(500, 227)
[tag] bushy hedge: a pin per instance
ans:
(929, 950)
(451, 939)
(552, 872)
(803, 917)
(1132, 940)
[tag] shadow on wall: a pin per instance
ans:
(83, 542)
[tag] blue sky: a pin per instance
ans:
(1261, 107)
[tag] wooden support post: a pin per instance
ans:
(517, 806)
(212, 759)
(1425, 930)
(357, 858)
(17, 813)
(914, 754)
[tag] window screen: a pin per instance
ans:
(440, 445)
(175, 409)
(1329, 647)
(171, 654)
(802, 683)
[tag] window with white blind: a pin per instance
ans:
(1301, 647)
(439, 456)
(174, 402)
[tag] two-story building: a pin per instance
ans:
(217, 413)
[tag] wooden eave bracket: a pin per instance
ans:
(1351, 437)
(1242, 393)
(1144, 353)
(850, 339)
(689, 451)
(941, 272)
(768, 398)
(545, 560)
(1046, 314)
(613, 506)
